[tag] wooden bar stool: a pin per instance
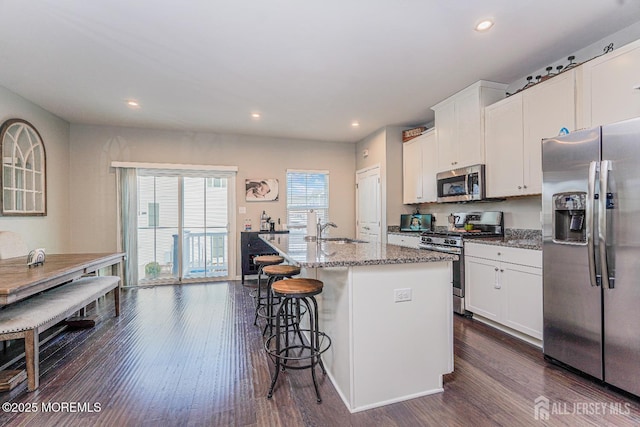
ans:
(282, 346)
(274, 273)
(263, 261)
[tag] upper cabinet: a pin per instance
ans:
(460, 123)
(611, 86)
(504, 147)
(514, 129)
(419, 169)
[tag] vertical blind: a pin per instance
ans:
(306, 190)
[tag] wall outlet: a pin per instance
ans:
(400, 295)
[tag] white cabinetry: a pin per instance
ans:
(504, 147)
(611, 86)
(407, 240)
(514, 129)
(419, 169)
(504, 285)
(460, 123)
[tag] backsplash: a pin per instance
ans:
(519, 212)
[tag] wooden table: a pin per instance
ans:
(17, 281)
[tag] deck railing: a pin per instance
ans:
(204, 253)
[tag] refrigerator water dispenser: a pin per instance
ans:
(568, 218)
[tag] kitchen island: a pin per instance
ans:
(389, 312)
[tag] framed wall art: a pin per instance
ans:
(261, 190)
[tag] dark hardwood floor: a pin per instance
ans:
(190, 355)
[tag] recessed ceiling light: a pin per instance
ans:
(355, 124)
(484, 25)
(255, 115)
(133, 104)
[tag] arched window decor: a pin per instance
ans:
(23, 169)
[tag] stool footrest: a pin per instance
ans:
(323, 346)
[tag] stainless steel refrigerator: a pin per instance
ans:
(591, 252)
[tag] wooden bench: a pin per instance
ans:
(28, 318)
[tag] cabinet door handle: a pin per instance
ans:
(524, 186)
(498, 255)
(519, 187)
(496, 268)
(501, 271)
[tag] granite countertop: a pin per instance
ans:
(513, 237)
(331, 254)
(533, 244)
(516, 238)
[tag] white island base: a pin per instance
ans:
(385, 351)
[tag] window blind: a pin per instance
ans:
(306, 190)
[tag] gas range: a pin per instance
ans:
(480, 224)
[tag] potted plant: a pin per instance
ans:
(152, 269)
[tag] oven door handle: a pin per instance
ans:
(444, 249)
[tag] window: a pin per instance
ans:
(23, 169)
(306, 190)
(216, 183)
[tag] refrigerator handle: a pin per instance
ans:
(591, 252)
(605, 167)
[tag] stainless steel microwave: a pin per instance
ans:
(461, 185)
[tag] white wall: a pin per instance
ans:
(394, 174)
(51, 231)
(93, 194)
(384, 148)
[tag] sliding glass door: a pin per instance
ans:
(183, 227)
(158, 223)
(205, 243)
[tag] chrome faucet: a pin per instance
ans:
(320, 228)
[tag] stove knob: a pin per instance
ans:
(428, 240)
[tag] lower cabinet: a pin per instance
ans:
(408, 240)
(252, 246)
(504, 285)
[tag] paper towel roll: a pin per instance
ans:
(312, 220)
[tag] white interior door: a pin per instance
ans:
(368, 207)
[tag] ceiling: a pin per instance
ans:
(309, 68)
